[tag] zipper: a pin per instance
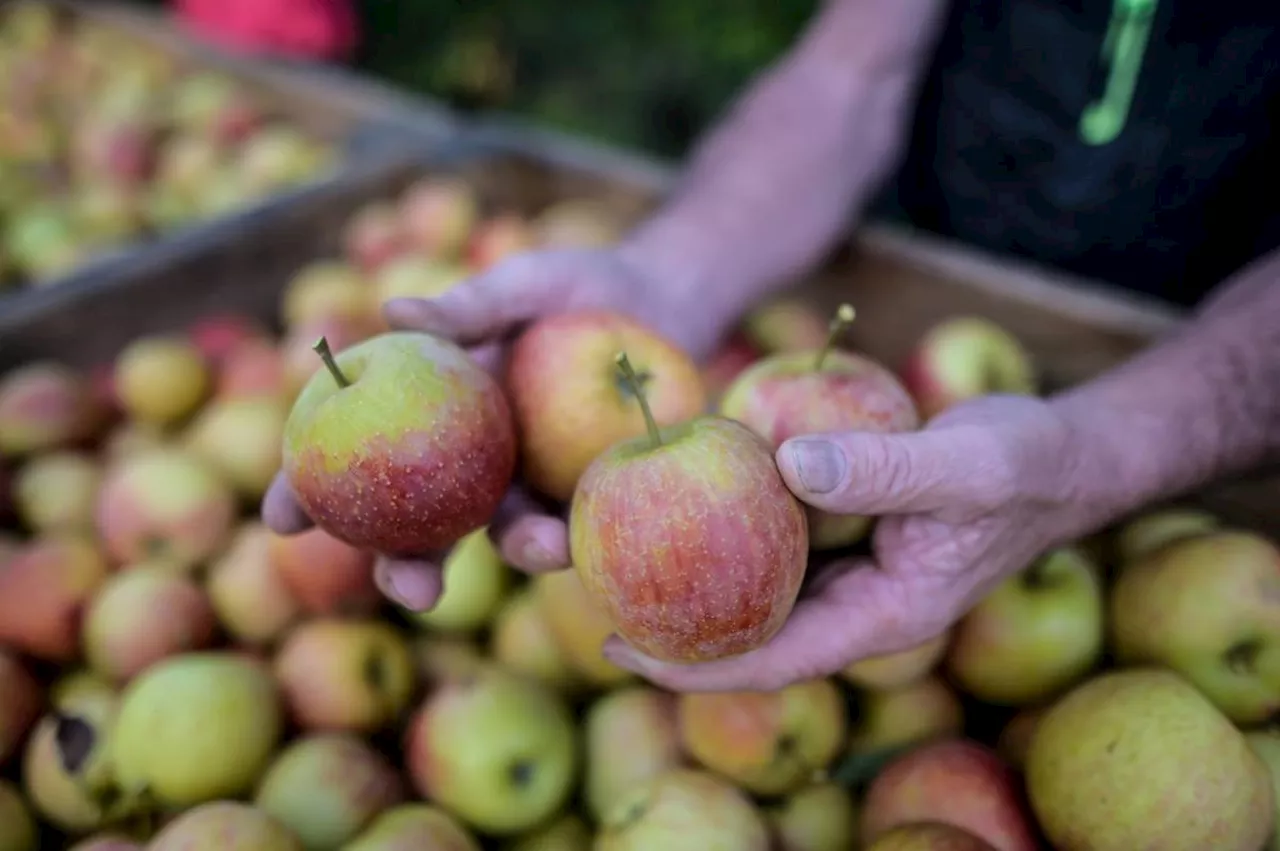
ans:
(1123, 50)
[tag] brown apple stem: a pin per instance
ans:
(839, 322)
(637, 388)
(326, 354)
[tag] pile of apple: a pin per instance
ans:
(105, 140)
(173, 675)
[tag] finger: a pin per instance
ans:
(413, 584)
(529, 535)
(281, 512)
(490, 356)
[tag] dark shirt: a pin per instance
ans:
(1185, 194)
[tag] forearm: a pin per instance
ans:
(1199, 406)
(769, 190)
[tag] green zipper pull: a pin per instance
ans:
(1123, 50)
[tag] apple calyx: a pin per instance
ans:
(1242, 656)
(521, 772)
(843, 318)
(321, 348)
(74, 740)
(632, 380)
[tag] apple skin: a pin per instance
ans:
(684, 809)
(414, 827)
(567, 833)
(249, 596)
(23, 701)
(569, 403)
(56, 492)
(106, 842)
(1209, 608)
(161, 380)
(786, 324)
(895, 670)
(929, 836)
(44, 589)
(496, 750)
(819, 817)
(965, 357)
(768, 743)
(418, 451)
(784, 396)
(630, 735)
(475, 582)
(218, 335)
(240, 439)
(497, 238)
(1148, 532)
(1266, 744)
(44, 406)
(895, 718)
(224, 825)
(522, 640)
(578, 625)
(17, 826)
(438, 215)
(374, 235)
(447, 658)
(326, 788)
(710, 496)
(345, 675)
(956, 782)
(325, 289)
(325, 576)
(1035, 635)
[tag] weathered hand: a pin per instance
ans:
(972, 498)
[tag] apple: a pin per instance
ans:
(298, 349)
(630, 736)
(324, 575)
(438, 215)
(215, 106)
(809, 391)
(785, 324)
(1208, 607)
(106, 842)
(414, 827)
(1017, 733)
(929, 836)
(416, 276)
(23, 700)
(684, 810)
(733, 357)
(895, 670)
(240, 439)
(165, 504)
(120, 641)
(249, 596)
(497, 238)
(374, 235)
(567, 833)
(112, 144)
(577, 223)
(578, 625)
(43, 591)
(326, 289)
(218, 336)
(340, 675)
(43, 406)
(277, 156)
(1035, 635)
(161, 380)
(956, 782)
(496, 750)
(521, 639)
(224, 826)
(964, 357)
(105, 212)
(130, 438)
(56, 492)
(17, 827)
(255, 368)
(1266, 744)
(570, 401)
(891, 719)
(818, 817)
(768, 743)
(196, 728)
(695, 507)
(439, 659)
(326, 788)
(475, 581)
(1150, 531)
(403, 445)
(187, 166)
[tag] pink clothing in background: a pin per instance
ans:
(304, 29)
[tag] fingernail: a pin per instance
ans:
(534, 556)
(413, 590)
(819, 464)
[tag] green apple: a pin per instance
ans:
(567, 833)
(630, 735)
(684, 810)
(820, 817)
(964, 357)
(1266, 744)
(475, 583)
(17, 827)
(414, 827)
(522, 640)
(223, 826)
(1147, 532)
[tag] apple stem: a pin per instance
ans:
(839, 322)
(326, 355)
(628, 374)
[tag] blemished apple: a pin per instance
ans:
(249, 596)
(497, 238)
(44, 589)
(414, 827)
(1035, 635)
(438, 215)
(326, 788)
(964, 357)
(812, 391)
(324, 575)
(240, 439)
(17, 826)
(325, 289)
(1148, 532)
(684, 810)
(818, 817)
(255, 368)
(895, 670)
(579, 626)
(142, 615)
(521, 639)
(498, 751)
(929, 836)
(43, 406)
(416, 276)
(894, 718)
(23, 700)
(629, 736)
(1209, 608)
(374, 235)
(571, 403)
(956, 782)
(56, 492)
(345, 675)
(768, 743)
(785, 324)
(711, 566)
(165, 504)
(162, 379)
(567, 833)
(1266, 744)
(403, 444)
(475, 583)
(196, 727)
(222, 826)
(1139, 758)
(298, 348)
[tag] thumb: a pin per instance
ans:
(866, 473)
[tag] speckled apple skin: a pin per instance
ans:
(695, 550)
(784, 396)
(416, 453)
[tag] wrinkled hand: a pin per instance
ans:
(482, 314)
(974, 497)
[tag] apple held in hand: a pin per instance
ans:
(806, 392)
(688, 538)
(965, 357)
(402, 445)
